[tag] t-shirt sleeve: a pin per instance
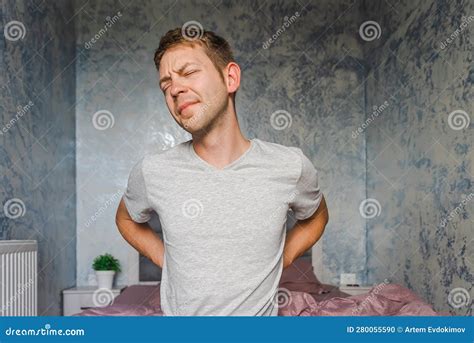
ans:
(307, 196)
(136, 197)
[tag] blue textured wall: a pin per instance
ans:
(419, 163)
(37, 139)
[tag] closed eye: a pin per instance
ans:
(185, 74)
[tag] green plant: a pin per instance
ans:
(106, 262)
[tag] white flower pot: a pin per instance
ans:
(105, 278)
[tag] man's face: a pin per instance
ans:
(193, 88)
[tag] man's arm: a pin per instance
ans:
(305, 234)
(140, 236)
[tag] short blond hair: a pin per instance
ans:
(216, 48)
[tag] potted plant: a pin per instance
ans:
(105, 267)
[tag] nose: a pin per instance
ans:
(177, 88)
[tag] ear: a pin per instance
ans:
(233, 77)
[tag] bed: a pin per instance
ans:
(300, 293)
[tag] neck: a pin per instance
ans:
(223, 143)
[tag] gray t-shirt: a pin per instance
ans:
(223, 230)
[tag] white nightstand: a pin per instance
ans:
(355, 290)
(77, 299)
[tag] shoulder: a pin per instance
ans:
(165, 158)
(280, 152)
(281, 159)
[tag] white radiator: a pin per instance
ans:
(18, 278)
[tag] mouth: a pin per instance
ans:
(186, 105)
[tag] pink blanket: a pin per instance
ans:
(382, 300)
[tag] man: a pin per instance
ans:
(222, 199)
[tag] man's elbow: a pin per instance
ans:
(117, 213)
(121, 215)
(326, 216)
(324, 212)
(117, 220)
